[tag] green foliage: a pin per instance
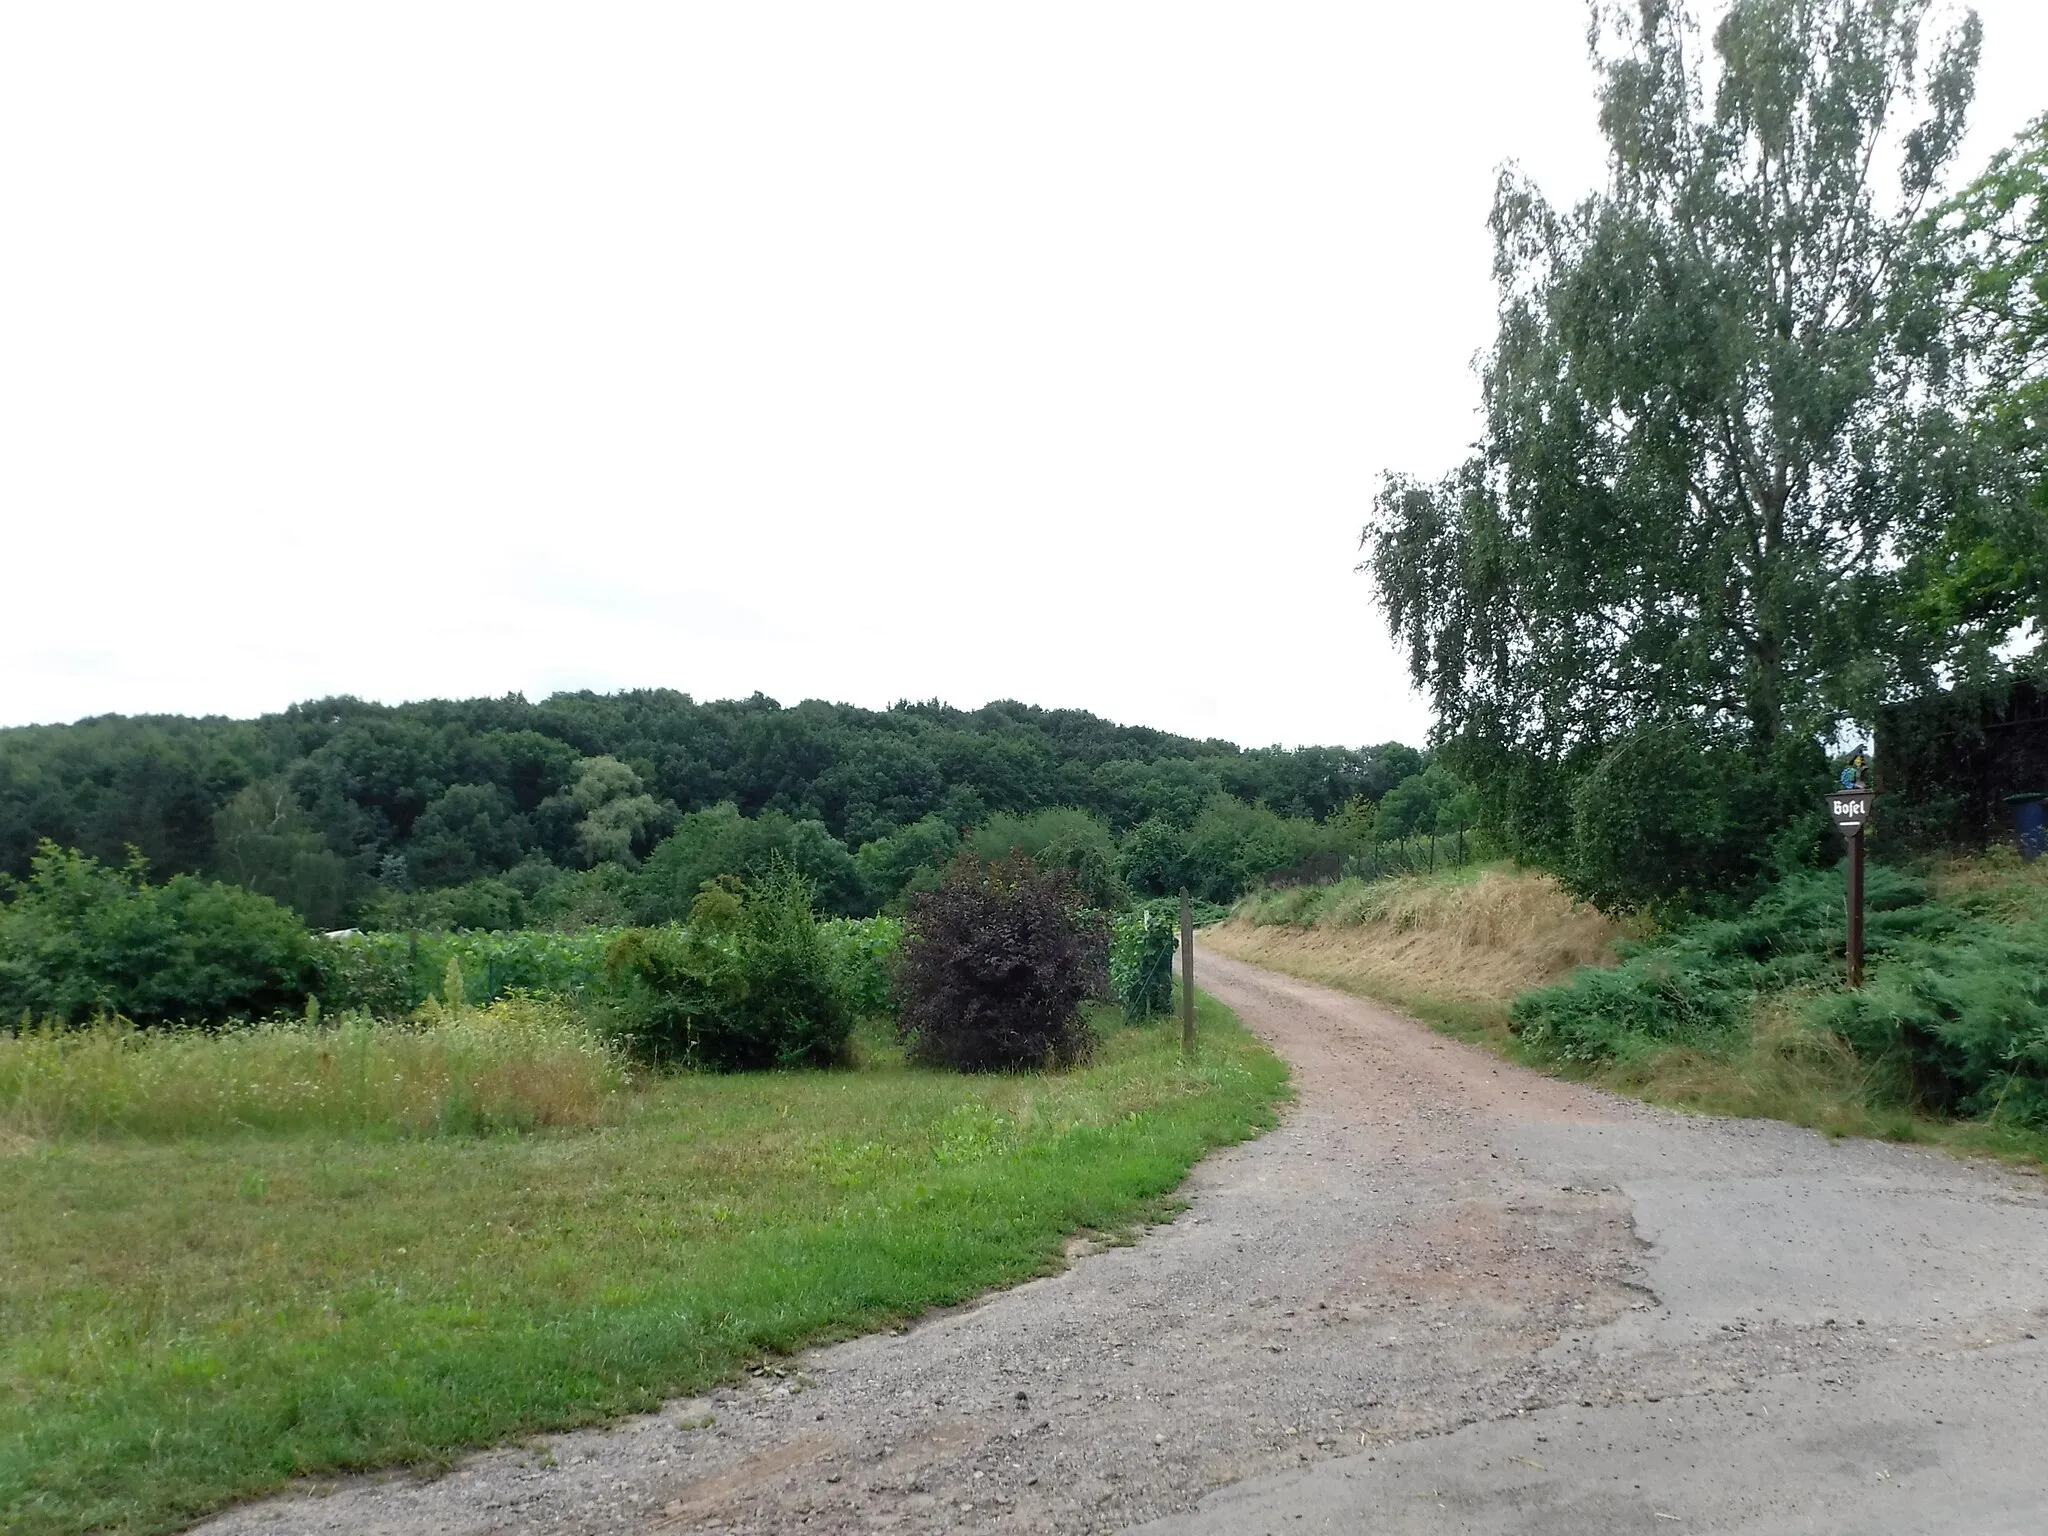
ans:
(389, 975)
(1667, 814)
(1060, 838)
(909, 858)
(720, 841)
(601, 897)
(79, 939)
(1229, 847)
(1232, 846)
(264, 842)
(864, 953)
(488, 905)
(1702, 464)
(1155, 857)
(759, 985)
(468, 831)
(1166, 909)
(1433, 803)
(1978, 568)
(1141, 950)
(1956, 994)
(104, 786)
(349, 802)
(1966, 1011)
(620, 820)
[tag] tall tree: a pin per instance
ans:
(1680, 508)
(1978, 572)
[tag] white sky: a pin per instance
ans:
(861, 352)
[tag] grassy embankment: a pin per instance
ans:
(1455, 948)
(1746, 1017)
(226, 1262)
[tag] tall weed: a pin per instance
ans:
(391, 974)
(522, 1062)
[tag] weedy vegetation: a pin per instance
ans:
(1743, 1013)
(237, 1256)
(519, 1064)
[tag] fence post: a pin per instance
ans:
(1187, 979)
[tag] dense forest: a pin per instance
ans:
(587, 808)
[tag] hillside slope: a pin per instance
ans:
(1473, 941)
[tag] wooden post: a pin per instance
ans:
(1850, 808)
(1187, 979)
(1856, 907)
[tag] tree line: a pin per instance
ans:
(588, 808)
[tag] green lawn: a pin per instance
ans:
(189, 1321)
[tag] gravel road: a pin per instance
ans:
(1446, 1294)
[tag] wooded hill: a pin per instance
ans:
(336, 805)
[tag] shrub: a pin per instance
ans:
(488, 904)
(1957, 997)
(1667, 815)
(995, 965)
(751, 981)
(890, 864)
(599, 897)
(1141, 963)
(1231, 846)
(1659, 1000)
(1965, 1013)
(864, 953)
(79, 939)
(1154, 857)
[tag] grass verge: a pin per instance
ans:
(189, 1321)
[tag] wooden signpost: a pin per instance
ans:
(1187, 979)
(1850, 807)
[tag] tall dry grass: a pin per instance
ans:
(1472, 937)
(520, 1063)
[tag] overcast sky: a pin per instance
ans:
(849, 351)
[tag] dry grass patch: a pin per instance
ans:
(1462, 940)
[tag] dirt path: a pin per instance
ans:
(1445, 1295)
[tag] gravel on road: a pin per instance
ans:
(1446, 1294)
